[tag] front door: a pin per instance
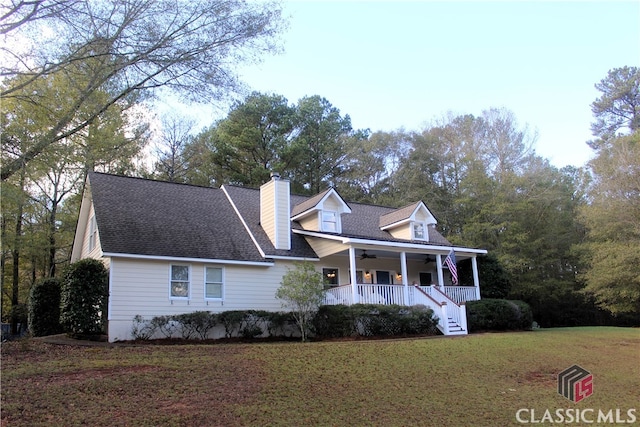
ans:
(383, 278)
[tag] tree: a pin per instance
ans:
(176, 136)
(612, 217)
(321, 138)
(301, 291)
(619, 105)
(127, 48)
(255, 140)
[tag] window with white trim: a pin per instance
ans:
(213, 283)
(180, 282)
(419, 231)
(93, 233)
(330, 221)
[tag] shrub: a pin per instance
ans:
(253, 323)
(166, 325)
(419, 319)
(142, 329)
(232, 321)
(277, 322)
(498, 315)
(44, 308)
(83, 299)
(196, 324)
(335, 321)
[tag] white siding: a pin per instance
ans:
(267, 209)
(274, 212)
(96, 252)
(283, 211)
(142, 287)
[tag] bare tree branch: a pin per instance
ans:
(124, 47)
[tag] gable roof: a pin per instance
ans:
(138, 216)
(402, 214)
(247, 201)
(314, 201)
(363, 222)
(154, 218)
(308, 203)
(398, 215)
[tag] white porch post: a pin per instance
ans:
(352, 270)
(476, 279)
(405, 279)
(440, 274)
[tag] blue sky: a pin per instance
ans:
(403, 64)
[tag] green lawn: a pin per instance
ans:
(474, 380)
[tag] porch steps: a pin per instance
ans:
(455, 328)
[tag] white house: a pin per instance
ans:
(174, 248)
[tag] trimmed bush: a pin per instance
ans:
(498, 315)
(44, 308)
(83, 299)
(142, 329)
(335, 321)
(196, 324)
(277, 322)
(232, 321)
(254, 323)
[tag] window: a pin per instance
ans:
(418, 231)
(93, 233)
(329, 221)
(179, 281)
(330, 277)
(213, 283)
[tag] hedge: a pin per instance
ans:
(498, 315)
(44, 308)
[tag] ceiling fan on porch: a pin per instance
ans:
(430, 258)
(365, 255)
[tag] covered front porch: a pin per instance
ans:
(408, 276)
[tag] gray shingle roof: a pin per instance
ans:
(363, 222)
(247, 201)
(155, 218)
(144, 217)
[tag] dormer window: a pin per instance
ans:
(419, 231)
(330, 221)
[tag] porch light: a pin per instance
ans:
(399, 276)
(367, 274)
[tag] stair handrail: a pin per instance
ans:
(459, 312)
(447, 297)
(440, 308)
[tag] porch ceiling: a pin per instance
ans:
(412, 255)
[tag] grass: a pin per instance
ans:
(474, 380)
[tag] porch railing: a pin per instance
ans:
(461, 294)
(444, 306)
(393, 294)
